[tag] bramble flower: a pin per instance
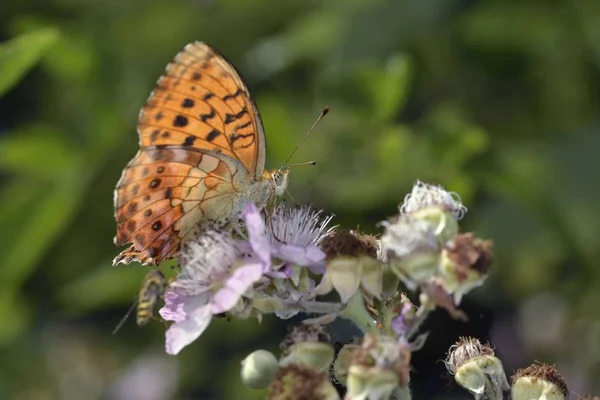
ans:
(212, 281)
(351, 264)
(539, 382)
(291, 236)
(475, 368)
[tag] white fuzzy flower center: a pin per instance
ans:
(301, 227)
(206, 261)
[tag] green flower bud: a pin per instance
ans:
(259, 369)
(315, 355)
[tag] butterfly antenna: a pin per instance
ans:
(122, 322)
(323, 113)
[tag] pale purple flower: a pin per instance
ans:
(290, 235)
(212, 281)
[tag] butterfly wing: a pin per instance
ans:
(201, 139)
(202, 102)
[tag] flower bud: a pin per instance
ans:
(259, 369)
(475, 368)
(315, 355)
(308, 345)
(539, 382)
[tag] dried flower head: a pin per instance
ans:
(300, 382)
(475, 368)
(349, 243)
(539, 381)
(466, 261)
(424, 195)
(412, 249)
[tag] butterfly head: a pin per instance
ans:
(280, 178)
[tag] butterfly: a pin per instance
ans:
(201, 158)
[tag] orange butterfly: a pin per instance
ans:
(201, 158)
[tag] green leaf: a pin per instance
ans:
(37, 152)
(19, 55)
(41, 223)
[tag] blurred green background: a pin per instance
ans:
(497, 100)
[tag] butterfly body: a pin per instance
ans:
(201, 158)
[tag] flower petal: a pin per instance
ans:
(240, 281)
(299, 255)
(173, 308)
(257, 232)
(180, 334)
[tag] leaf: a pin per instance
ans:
(19, 55)
(37, 152)
(42, 223)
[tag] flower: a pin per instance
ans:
(539, 381)
(351, 264)
(424, 195)
(291, 235)
(212, 281)
(475, 368)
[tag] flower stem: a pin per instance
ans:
(425, 308)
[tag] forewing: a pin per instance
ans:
(202, 102)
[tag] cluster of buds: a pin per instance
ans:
(301, 371)
(424, 248)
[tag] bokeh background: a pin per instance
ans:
(497, 100)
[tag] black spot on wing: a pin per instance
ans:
(189, 141)
(229, 118)
(212, 135)
(180, 121)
